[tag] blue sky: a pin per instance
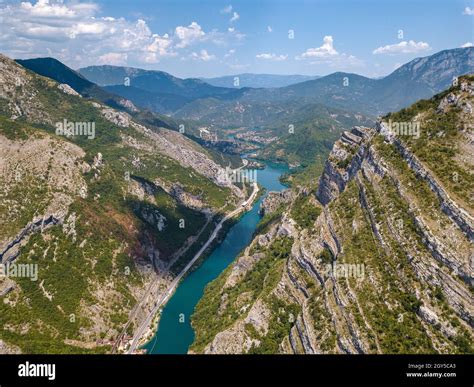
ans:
(212, 38)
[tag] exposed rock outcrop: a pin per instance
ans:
(66, 89)
(343, 163)
(274, 200)
(389, 256)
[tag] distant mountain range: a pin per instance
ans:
(258, 80)
(418, 79)
(54, 69)
(164, 93)
(196, 99)
(319, 109)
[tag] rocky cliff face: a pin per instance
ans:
(387, 265)
(344, 162)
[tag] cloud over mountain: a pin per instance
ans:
(404, 47)
(326, 50)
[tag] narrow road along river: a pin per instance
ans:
(175, 334)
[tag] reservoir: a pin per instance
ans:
(175, 334)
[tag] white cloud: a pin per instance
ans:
(74, 33)
(271, 56)
(235, 17)
(47, 9)
(160, 47)
(467, 44)
(51, 21)
(87, 29)
(325, 51)
(229, 53)
(224, 38)
(113, 58)
(326, 54)
(202, 55)
(188, 35)
(468, 11)
(227, 9)
(404, 47)
(350, 61)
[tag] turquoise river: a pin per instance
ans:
(175, 334)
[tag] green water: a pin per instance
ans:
(175, 334)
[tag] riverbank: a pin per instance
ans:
(175, 334)
(144, 328)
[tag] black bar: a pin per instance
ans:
(312, 370)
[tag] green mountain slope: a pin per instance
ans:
(380, 250)
(306, 136)
(102, 215)
(52, 68)
(154, 82)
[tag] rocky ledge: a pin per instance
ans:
(274, 200)
(343, 163)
